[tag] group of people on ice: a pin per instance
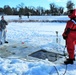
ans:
(3, 24)
(69, 35)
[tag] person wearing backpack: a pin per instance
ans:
(3, 24)
(69, 35)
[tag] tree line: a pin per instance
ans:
(24, 10)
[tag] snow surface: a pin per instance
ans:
(27, 37)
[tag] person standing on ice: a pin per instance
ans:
(69, 35)
(3, 24)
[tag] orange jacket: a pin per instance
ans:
(70, 28)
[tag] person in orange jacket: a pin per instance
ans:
(69, 35)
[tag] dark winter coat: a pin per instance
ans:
(3, 24)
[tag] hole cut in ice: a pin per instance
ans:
(44, 54)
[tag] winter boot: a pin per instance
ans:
(6, 41)
(69, 61)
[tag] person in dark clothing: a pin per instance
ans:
(28, 15)
(3, 24)
(69, 35)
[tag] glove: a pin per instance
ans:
(64, 37)
(65, 34)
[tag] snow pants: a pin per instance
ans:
(71, 45)
(2, 35)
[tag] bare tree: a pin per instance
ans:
(8, 10)
(52, 8)
(60, 10)
(70, 5)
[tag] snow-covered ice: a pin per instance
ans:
(27, 37)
